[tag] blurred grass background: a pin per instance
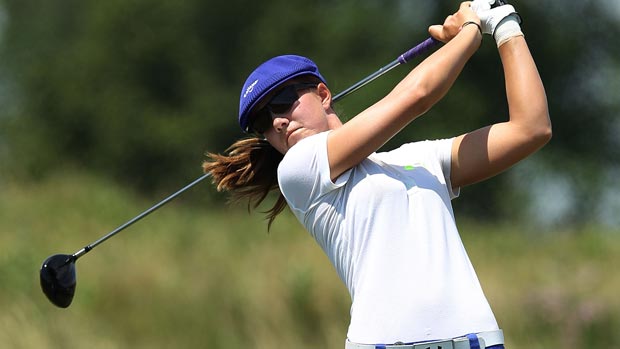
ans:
(106, 107)
(215, 278)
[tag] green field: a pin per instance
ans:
(208, 277)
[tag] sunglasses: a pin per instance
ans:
(279, 104)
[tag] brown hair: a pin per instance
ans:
(248, 172)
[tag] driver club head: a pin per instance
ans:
(58, 279)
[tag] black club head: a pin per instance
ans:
(58, 279)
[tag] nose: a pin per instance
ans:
(280, 123)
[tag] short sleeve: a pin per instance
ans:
(304, 174)
(444, 154)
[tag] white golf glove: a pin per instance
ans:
(501, 22)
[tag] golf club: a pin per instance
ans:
(58, 274)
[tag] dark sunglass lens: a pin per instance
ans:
(262, 121)
(281, 103)
(280, 108)
(287, 96)
(284, 100)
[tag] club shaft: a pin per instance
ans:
(404, 58)
(87, 248)
(417, 50)
(366, 80)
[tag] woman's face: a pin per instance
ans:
(308, 115)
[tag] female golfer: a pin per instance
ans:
(385, 219)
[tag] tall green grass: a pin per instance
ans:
(212, 277)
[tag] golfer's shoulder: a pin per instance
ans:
(303, 173)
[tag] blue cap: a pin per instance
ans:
(267, 77)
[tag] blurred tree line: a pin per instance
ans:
(139, 90)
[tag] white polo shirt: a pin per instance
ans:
(388, 228)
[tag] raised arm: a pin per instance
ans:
(426, 84)
(490, 150)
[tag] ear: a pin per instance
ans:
(325, 94)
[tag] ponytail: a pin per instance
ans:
(248, 172)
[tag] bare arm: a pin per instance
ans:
(349, 144)
(490, 150)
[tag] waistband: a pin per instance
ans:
(471, 341)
